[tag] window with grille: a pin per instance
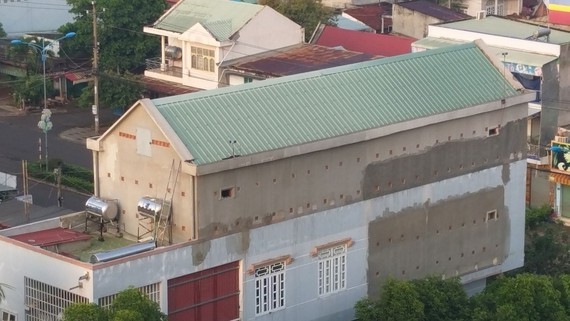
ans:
(203, 59)
(7, 316)
(332, 269)
(46, 302)
(152, 291)
(491, 9)
(269, 288)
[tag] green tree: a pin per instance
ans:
(84, 312)
(443, 300)
(131, 304)
(2, 293)
(524, 297)
(306, 13)
(30, 90)
(115, 90)
(2, 32)
(122, 44)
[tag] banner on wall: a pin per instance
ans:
(560, 158)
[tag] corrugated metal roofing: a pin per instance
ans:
(505, 27)
(299, 59)
(293, 110)
(222, 18)
(433, 10)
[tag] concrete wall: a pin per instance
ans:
(127, 175)
(290, 187)
(410, 23)
(20, 17)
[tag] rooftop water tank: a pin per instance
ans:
(122, 252)
(150, 207)
(106, 209)
(173, 52)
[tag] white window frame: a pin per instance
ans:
(203, 59)
(332, 269)
(8, 316)
(270, 287)
(152, 291)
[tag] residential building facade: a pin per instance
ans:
(198, 35)
(294, 197)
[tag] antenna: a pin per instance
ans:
(233, 143)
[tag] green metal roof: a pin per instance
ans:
(293, 110)
(222, 18)
(505, 27)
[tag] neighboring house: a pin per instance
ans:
(25, 16)
(199, 35)
(351, 24)
(289, 61)
(481, 8)
(538, 58)
(294, 197)
(365, 42)
(376, 16)
(411, 18)
(559, 12)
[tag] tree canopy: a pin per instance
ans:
(2, 32)
(307, 13)
(128, 305)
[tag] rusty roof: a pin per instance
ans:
(52, 236)
(166, 88)
(298, 59)
(433, 10)
(371, 15)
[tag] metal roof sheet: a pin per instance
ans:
(288, 111)
(299, 59)
(222, 18)
(513, 56)
(505, 27)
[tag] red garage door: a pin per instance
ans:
(206, 295)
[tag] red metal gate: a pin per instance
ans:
(207, 295)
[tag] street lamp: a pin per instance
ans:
(43, 51)
(45, 125)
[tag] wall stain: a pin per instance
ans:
(200, 252)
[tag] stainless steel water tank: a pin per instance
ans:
(122, 252)
(173, 52)
(148, 206)
(106, 209)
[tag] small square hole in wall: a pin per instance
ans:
(474, 132)
(404, 148)
(341, 196)
(257, 184)
(437, 141)
(149, 185)
(358, 159)
(308, 205)
(290, 210)
(492, 215)
(324, 201)
(182, 194)
(122, 178)
(461, 135)
(377, 188)
(227, 192)
(326, 167)
(448, 137)
(358, 192)
(123, 211)
(274, 180)
(417, 145)
(136, 181)
(390, 152)
(308, 172)
(168, 190)
(108, 174)
(493, 131)
(215, 193)
(293, 175)
(339, 163)
(377, 155)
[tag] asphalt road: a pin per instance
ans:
(19, 140)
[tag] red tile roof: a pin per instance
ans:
(365, 42)
(51, 237)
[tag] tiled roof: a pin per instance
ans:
(299, 59)
(365, 42)
(433, 10)
(289, 111)
(505, 27)
(222, 18)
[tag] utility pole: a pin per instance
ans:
(25, 183)
(57, 172)
(95, 108)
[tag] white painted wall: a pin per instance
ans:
(496, 41)
(23, 16)
(294, 237)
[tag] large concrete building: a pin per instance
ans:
(19, 17)
(294, 197)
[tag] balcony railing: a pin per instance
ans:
(153, 65)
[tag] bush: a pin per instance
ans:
(534, 216)
(72, 176)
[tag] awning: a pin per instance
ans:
(563, 179)
(519, 61)
(78, 77)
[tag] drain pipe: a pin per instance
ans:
(96, 173)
